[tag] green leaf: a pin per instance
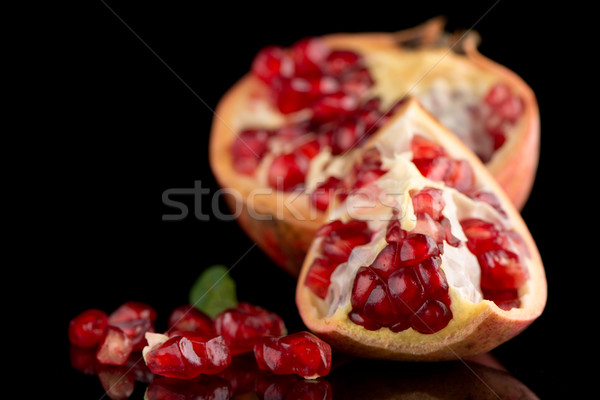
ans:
(214, 291)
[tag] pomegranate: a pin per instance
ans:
(115, 348)
(300, 353)
(426, 270)
(302, 111)
(88, 328)
(189, 318)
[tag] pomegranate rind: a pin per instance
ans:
(283, 224)
(475, 327)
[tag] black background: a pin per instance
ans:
(131, 88)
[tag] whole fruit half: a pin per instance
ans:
(303, 109)
(427, 260)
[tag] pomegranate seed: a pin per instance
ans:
(401, 324)
(318, 277)
(416, 248)
(489, 198)
(309, 55)
(367, 176)
(272, 62)
(436, 169)
(309, 149)
(482, 236)
(242, 326)
(431, 317)
(363, 284)
(357, 82)
(326, 229)
(395, 234)
(406, 291)
(434, 280)
(115, 348)
(291, 132)
(429, 201)
(189, 318)
(340, 61)
(132, 310)
(461, 176)
(248, 148)
(136, 330)
(301, 353)
(449, 237)
(425, 148)
(333, 106)
(379, 306)
(504, 298)
(510, 109)
(287, 171)
(188, 356)
(501, 269)
(347, 136)
(338, 244)
(324, 193)
(88, 328)
(359, 319)
(292, 95)
(497, 95)
(386, 261)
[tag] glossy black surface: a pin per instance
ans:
(133, 89)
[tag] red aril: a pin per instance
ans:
(272, 62)
(132, 310)
(189, 318)
(115, 348)
(300, 353)
(243, 325)
(88, 328)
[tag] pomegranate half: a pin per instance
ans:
(427, 259)
(302, 109)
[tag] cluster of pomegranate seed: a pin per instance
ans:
(405, 287)
(498, 252)
(195, 345)
(333, 85)
(338, 241)
(114, 336)
(504, 109)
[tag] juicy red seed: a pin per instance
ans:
(318, 277)
(359, 319)
(416, 248)
(436, 169)
(333, 106)
(292, 95)
(501, 269)
(347, 136)
(136, 331)
(431, 317)
(340, 242)
(187, 357)
(88, 328)
(309, 149)
(401, 324)
(287, 171)
(242, 326)
(340, 61)
(290, 132)
(115, 348)
(324, 193)
(433, 279)
(449, 237)
(482, 236)
(504, 298)
(248, 148)
(510, 109)
(386, 261)
(394, 232)
(497, 95)
(406, 291)
(379, 306)
(363, 284)
(426, 225)
(132, 310)
(461, 176)
(189, 318)
(301, 353)
(425, 148)
(309, 55)
(272, 62)
(429, 201)
(357, 82)
(325, 230)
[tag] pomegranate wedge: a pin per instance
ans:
(444, 273)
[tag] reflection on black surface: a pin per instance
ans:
(355, 379)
